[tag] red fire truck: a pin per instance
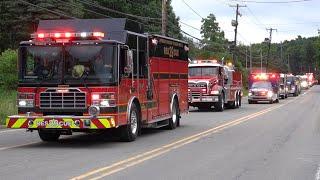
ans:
(264, 87)
(212, 84)
(310, 79)
(97, 74)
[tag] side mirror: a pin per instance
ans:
(129, 62)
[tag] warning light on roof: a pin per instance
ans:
(98, 34)
(83, 34)
(41, 35)
(57, 35)
(67, 34)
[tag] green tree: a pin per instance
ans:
(8, 69)
(213, 36)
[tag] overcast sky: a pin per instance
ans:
(291, 19)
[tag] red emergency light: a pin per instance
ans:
(57, 35)
(40, 35)
(263, 76)
(61, 35)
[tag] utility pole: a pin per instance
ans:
(289, 69)
(250, 58)
(281, 52)
(261, 60)
(164, 19)
(269, 46)
(246, 58)
(235, 23)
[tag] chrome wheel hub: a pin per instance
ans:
(134, 122)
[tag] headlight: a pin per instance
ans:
(250, 94)
(94, 110)
(103, 99)
(22, 103)
(215, 92)
(25, 100)
(270, 93)
(108, 103)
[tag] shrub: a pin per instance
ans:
(8, 69)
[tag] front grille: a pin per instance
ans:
(199, 85)
(259, 93)
(74, 99)
(196, 94)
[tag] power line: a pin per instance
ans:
(54, 12)
(88, 10)
(190, 26)
(259, 23)
(192, 9)
(118, 12)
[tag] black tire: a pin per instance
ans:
(129, 132)
(271, 102)
(232, 104)
(277, 100)
(175, 116)
(250, 102)
(219, 106)
(49, 136)
(204, 108)
(240, 100)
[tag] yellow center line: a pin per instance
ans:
(132, 161)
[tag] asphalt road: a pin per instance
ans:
(258, 141)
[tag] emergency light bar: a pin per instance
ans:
(204, 61)
(59, 35)
(263, 76)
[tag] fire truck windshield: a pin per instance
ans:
(203, 71)
(92, 63)
(71, 64)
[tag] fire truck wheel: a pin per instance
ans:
(237, 101)
(204, 108)
(219, 106)
(175, 116)
(130, 131)
(49, 136)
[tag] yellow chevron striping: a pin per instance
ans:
(93, 126)
(7, 121)
(105, 123)
(19, 123)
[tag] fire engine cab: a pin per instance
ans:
(264, 87)
(213, 84)
(90, 75)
